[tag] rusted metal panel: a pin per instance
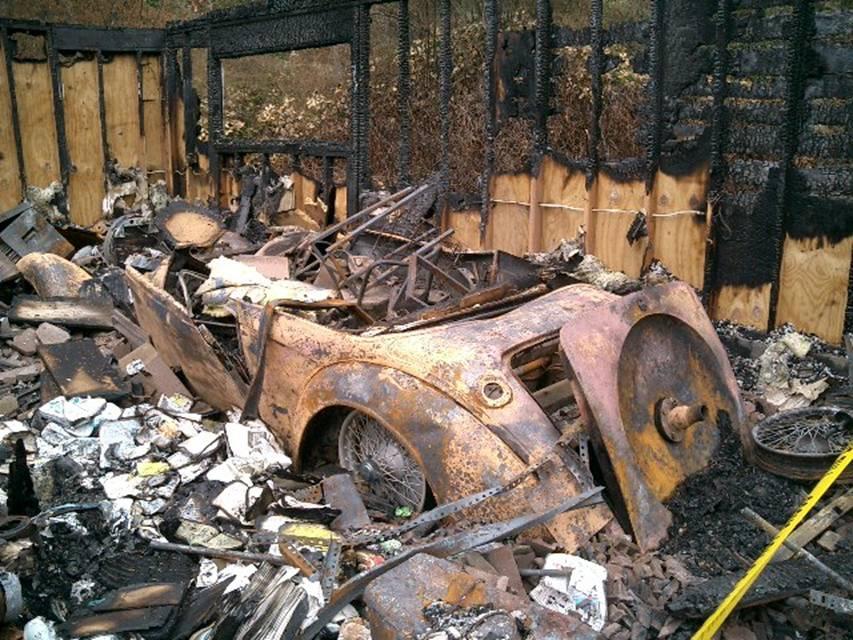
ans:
(396, 600)
(428, 387)
(646, 360)
(182, 345)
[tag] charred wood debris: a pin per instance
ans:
(143, 497)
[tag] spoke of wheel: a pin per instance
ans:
(364, 441)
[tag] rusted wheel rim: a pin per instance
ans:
(810, 432)
(381, 462)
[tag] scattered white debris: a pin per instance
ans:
(583, 592)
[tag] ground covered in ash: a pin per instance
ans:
(708, 531)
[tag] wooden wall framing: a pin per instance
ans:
(110, 106)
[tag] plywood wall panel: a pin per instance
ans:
(83, 135)
(466, 228)
(564, 198)
(121, 97)
(616, 204)
(749, 306)
(813, 286)
(34, 92)
(10, 183)
(680, 237)
(508, 220)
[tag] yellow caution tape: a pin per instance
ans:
(715, 621)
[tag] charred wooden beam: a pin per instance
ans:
(542, 72)
(76, 38)
(404, 94)
(102, 117)
(445, 66)
(655, 90)
(58, 110)
(718, 141)
(800, 31)
(490, 16)
(596, 69)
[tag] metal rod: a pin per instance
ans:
(761, 523)
(397, 251)
(333, 229)
(237, 556)
(370, 223)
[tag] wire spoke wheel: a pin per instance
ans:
(802, 443)
(381, 462)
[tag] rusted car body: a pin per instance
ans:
(475, 402)
(448, 393)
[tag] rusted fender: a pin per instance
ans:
(181, 344)
(627, 359)
(459, 454)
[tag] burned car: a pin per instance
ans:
(436, 413)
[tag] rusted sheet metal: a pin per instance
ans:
(653, 381)
(396, 601)
(181, 344)
(428, 387)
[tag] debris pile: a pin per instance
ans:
(215, 425)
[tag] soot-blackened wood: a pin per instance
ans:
(596, 69)
(490, 16)
(58, 110)
(74, 38)
(140, 94)
(445, 72)
(267, 34)
(102, 113)
(190, 110)
(778, 581)
(216, 117)
(174, 88)
(542, 72)
(655, 91)
(404, 94)
(799, 33)
(718, 142)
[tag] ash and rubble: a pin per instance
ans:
(141, 503)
